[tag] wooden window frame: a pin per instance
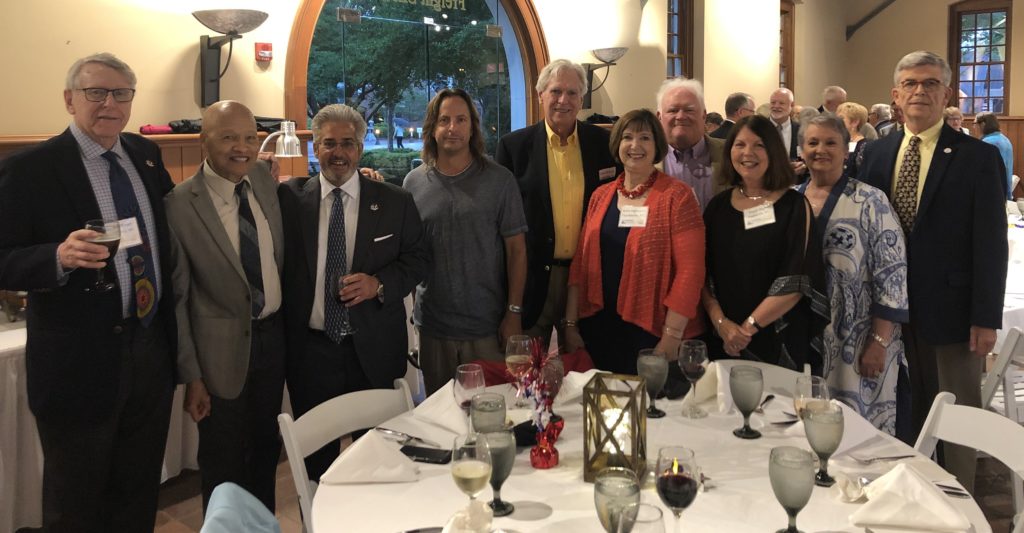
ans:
(953, 44)
(787, 28)
(683, 39)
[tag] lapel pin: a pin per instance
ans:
(374, 207)
(150, 164)
(948, 150)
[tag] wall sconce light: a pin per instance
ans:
(232, 23)
(288, 144)
(607, 58)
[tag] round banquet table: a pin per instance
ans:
(558, 500)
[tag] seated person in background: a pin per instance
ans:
(765, 280)
(636, 277)
(987, 126)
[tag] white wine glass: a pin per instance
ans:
(471, 464)
(809, 389)
(518, 359)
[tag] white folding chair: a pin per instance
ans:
(975, 428)
(332, 419)
(1002, 390)
(777, 380)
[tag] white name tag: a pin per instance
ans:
(130, 235)
(852, 146)
(633, 216)
(606, 173)
(756, 217)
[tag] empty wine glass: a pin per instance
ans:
(487, 412)
(678, 479)
(109, 236)
(469, 381)
(518, 356)
(693, 355)
(471, 464)
(615, 490)
(746, 385)
(809, 389)
(653, 367)
(823, 424)
(553, 374)
(503, 454)
(645, 518)
(791, 472)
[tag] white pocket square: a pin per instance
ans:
(381, 238)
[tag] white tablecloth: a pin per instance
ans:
(1013, 304)
(558, 500)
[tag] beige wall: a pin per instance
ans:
(159, 39)
(741, 50)
(820, 49)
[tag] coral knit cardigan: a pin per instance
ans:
(663, 267)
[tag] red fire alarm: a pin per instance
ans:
(264, 51)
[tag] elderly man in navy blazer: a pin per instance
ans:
(948, 191)
(558, 162)
(100, 362)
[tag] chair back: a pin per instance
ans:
(332, 419)
(233, 509)
(1001, 373)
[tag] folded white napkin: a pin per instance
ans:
(903, 498)
(722, 387)
(474, 518)
(441, 410)
(706, 388)
(572, 386)
(371, 459)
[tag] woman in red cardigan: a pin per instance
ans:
(636, 277)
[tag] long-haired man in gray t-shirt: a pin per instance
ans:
(471, 300)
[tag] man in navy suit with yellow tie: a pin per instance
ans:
(948, 191)
(100, 362)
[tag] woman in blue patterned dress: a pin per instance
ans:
(866, 273)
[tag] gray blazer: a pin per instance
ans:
(210, 289)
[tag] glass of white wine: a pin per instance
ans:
(471, 464)
(809, 390)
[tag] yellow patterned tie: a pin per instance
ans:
(904, 201)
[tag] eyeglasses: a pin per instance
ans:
(344, 145)
(99, 94)
(930, 85)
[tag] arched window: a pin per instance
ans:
(387, 57)
(979, 53)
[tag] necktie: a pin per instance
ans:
(336, 323)
(140, 257)
(249, 249)
(904, 200)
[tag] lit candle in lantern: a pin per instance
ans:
(620, 432)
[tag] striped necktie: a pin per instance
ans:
(249, 249)
(140, 257)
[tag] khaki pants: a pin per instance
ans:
(440, 357)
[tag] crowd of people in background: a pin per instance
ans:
(867, 243)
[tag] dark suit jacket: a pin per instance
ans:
(72, 354)
(723, 131)
(524, 153)
(389, 245)
(794, 140)
(957, 249)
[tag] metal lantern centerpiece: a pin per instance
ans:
(614, 424)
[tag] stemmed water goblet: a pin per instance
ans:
(487, 412)
(469, 381)
(503, 454)
(616, 491)
(471, 464)
(678, 479)
(518, 355)
(693, 355)
(653, 367)
(746, 385)
(109, 235)
(823, 424)
(642, 518)
(791, 472)
(809, 389)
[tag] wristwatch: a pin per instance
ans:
(750, 320)
(380, 290)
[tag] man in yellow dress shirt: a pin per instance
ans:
(558, 163)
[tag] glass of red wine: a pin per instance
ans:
(693, 356)
(469, 381)
(109, 235)
(677, 479)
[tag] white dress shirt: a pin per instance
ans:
(786, 130)
(350, 203)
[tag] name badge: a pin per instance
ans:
(130, 235)
(606, 173)
(755, 217)
(633, 216)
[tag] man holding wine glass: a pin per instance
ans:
(228, 250)
(99, 362)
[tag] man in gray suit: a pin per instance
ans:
(229, 249)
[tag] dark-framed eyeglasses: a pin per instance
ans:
(930, 85)
(99, 94)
